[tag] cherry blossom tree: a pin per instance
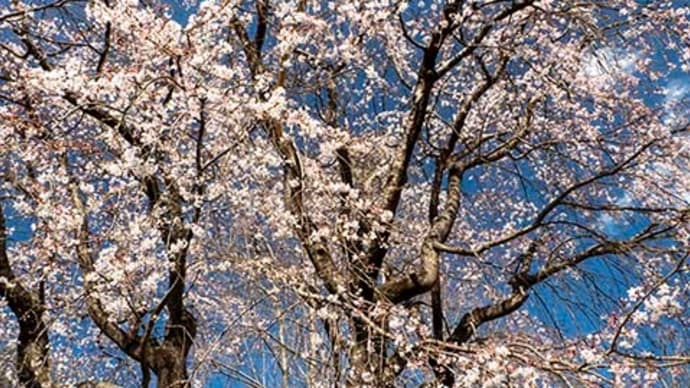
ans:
(364, 193)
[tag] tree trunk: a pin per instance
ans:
(169, 360)
(368, 356)
(172, 375)
(171, 368)
(32, 364)
(32, 351)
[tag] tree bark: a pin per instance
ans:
(172, 375)
(169, 364)
(32, 350)
(32, 364)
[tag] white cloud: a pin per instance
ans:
(605, 65)
(675, 92)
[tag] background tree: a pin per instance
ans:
(270, 190)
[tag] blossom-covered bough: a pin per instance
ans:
(364, 193)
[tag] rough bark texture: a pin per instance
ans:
(32, 361)
(169, 364)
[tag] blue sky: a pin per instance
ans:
(672, 90)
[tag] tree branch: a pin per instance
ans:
(33, 367)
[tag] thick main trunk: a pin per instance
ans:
(169, 360)
(171, 368)
(173, 375)
(32, 352)
(368, 356)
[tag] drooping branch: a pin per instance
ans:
(317, 250)
(522, 281)
(130, 343)
(181, 324)
(33, 359)
(626, 319)
(553, 204)
(172, 230)
(293, 175)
